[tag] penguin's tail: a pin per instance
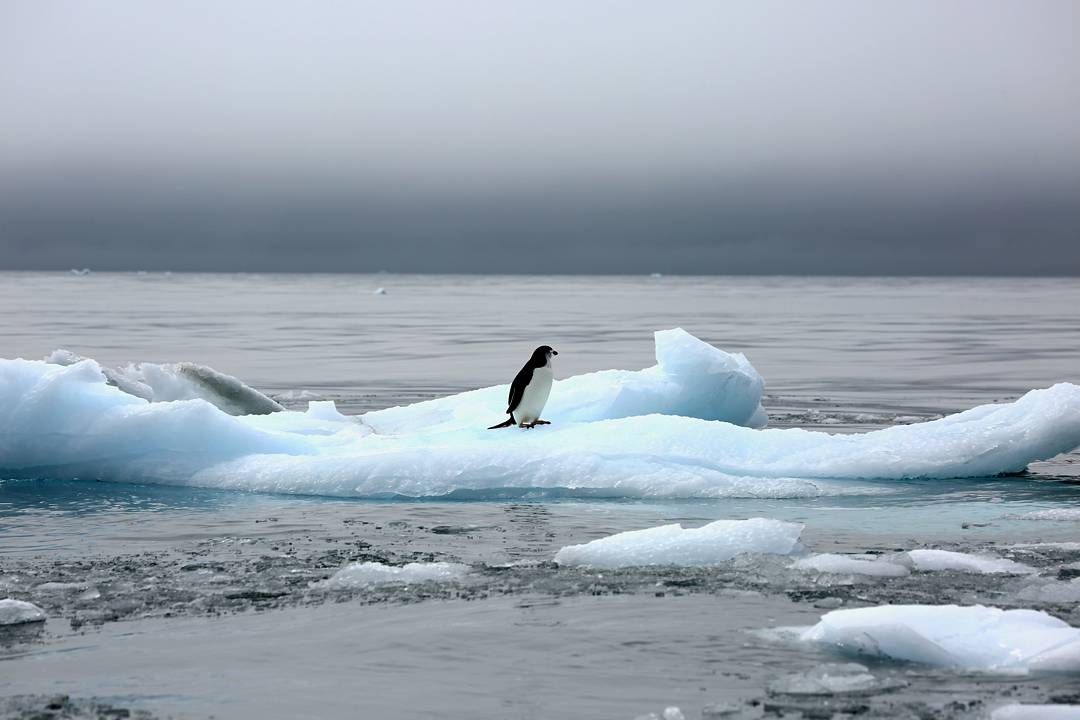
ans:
(507, 423)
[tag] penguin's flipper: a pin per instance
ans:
(507, 423)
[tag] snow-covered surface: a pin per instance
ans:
(165, 382)
(17, 612)
(67, 421)
(365, 574)
(1061, 514)
(674, 545)
(1018, 711)
(934, 560)
(691, 378)
(973, 637)
(849, 565)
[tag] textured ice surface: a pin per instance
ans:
(973, 637)
(832, 679)
(1051, 591)
(360, 575)
(691, 378)
(68, 422)
(673, 545)
(931, 560)
(180, 381)
(1018, 711)
(848, 565)
(17, 612)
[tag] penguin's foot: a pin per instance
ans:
(526, 426)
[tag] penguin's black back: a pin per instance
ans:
(524, 377)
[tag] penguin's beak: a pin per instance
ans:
(554, 352)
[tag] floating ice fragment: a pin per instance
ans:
(379, 291)
(1018, 711)
(17, 612)
(365, 574)
(833, 679)
(1066, 546)
(933, 560)
(60, 587)
(673, 713)
(673, 545)
(848, 565)
(1054, 592)
(974, 637)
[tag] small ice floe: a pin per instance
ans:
(1018, 711)
(669, 713)
(379, 291)
(1065, 546)
(850, 565)
(60, 587)
(1052, 592)
(1060, 514)
(17, 612)
(833, 679)
(934, 560)
(674, 545)
(78, 271)
(294, 395)
(366, 574)
(974, 637)
(656, 275)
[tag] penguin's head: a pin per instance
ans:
(543, 354)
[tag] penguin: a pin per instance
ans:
(529, 391)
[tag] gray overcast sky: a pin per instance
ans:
(585, 136)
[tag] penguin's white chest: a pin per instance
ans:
(535, 396)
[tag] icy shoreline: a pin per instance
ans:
(682, 428)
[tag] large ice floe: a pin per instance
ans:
(674, 545)
(682, 428)
(973, 637)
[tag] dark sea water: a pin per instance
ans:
(837, 354)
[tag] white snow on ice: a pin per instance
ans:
(674, 545)
(366, 574)
(17, 612)
(849, 565)
(673, 430)
(934, 560)
(974, 637)
(690, 379)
